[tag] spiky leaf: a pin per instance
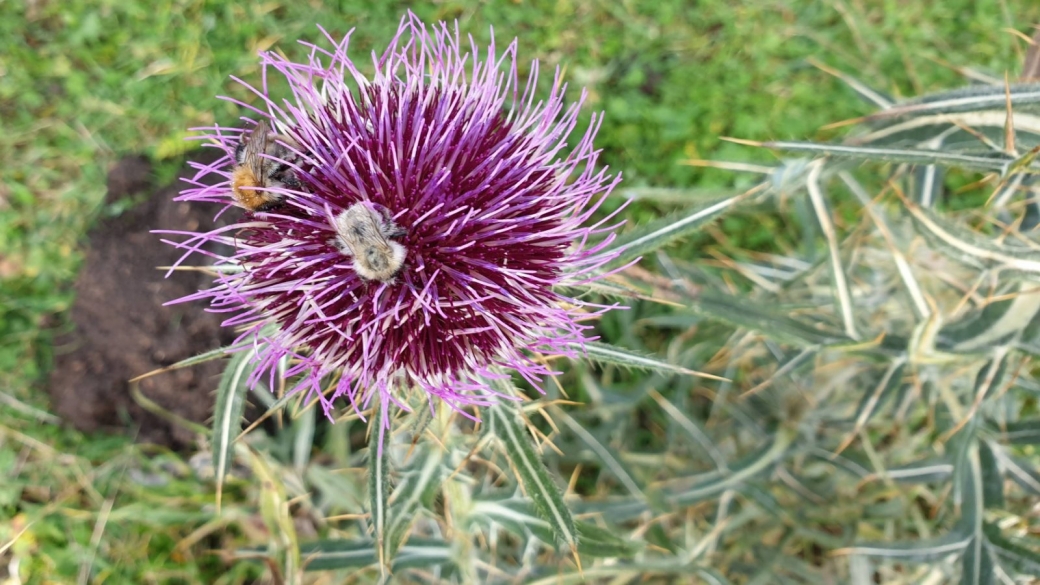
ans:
(506, 424)
(611, 354)
(379, 482)
(227, 414)
(650, 237)
(737, 473)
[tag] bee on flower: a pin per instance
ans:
(435, 208)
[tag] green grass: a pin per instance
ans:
(82, 83)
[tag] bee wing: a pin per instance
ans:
(256, 145)
(374, 224)
(359, 226)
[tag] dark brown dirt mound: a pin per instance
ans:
(121, 328)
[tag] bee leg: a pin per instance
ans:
(290, 181)
(269, 205)
(339, 245)
(293, 183)
(391, 229)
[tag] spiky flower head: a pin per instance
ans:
(474, 172)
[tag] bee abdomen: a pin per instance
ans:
(376, 260)
(243, 178)
(243, 187)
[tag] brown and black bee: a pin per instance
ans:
(254, 172)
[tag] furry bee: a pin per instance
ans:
(254, 171)
(364, 234)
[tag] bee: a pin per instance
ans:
(254, 171)
(364, 234)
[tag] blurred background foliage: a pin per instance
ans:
(82, 83)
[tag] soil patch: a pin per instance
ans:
(120, 328)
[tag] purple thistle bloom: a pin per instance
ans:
(469, 166)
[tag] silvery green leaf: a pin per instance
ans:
(333, 554)
(379, 482)
(515, 515)
(669, 195)
(992, 477)
(765, 500)
(1029, 340)
(692, 429)
(989, 377)
(710, 576)
(968, 99)
(1013, 557)
(928, 184)
(1023, 432)
(961, 444)
(334, 488)
(423, 553)
(839, 280)
(414, 486)
(872, 401)
(206, 356)
(274, 511)
(997, 323)
(1016, 186)
(737, 473)
(1022, 471)
(967, 133)
(787, 367)
(605, 288)
(906, 273)
(977, 565)
(505, 423)
(971, 248)
(656, 234)
(610, 354)
(790, 174)
(993, 161)
(976, 570)
(848, 461)
(597, 541)
(303, 438)
(227, 413)
(421, 421)
(671, 572)
(518, 517)
(756, 316)
(1031, 217)
(917, 551)
(617, 509)
(24, 408)
(603, 453)
(870, 95)
(1024, 163)
(276, 405)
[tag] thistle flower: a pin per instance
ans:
(490, 209)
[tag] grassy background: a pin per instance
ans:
(82, 83)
